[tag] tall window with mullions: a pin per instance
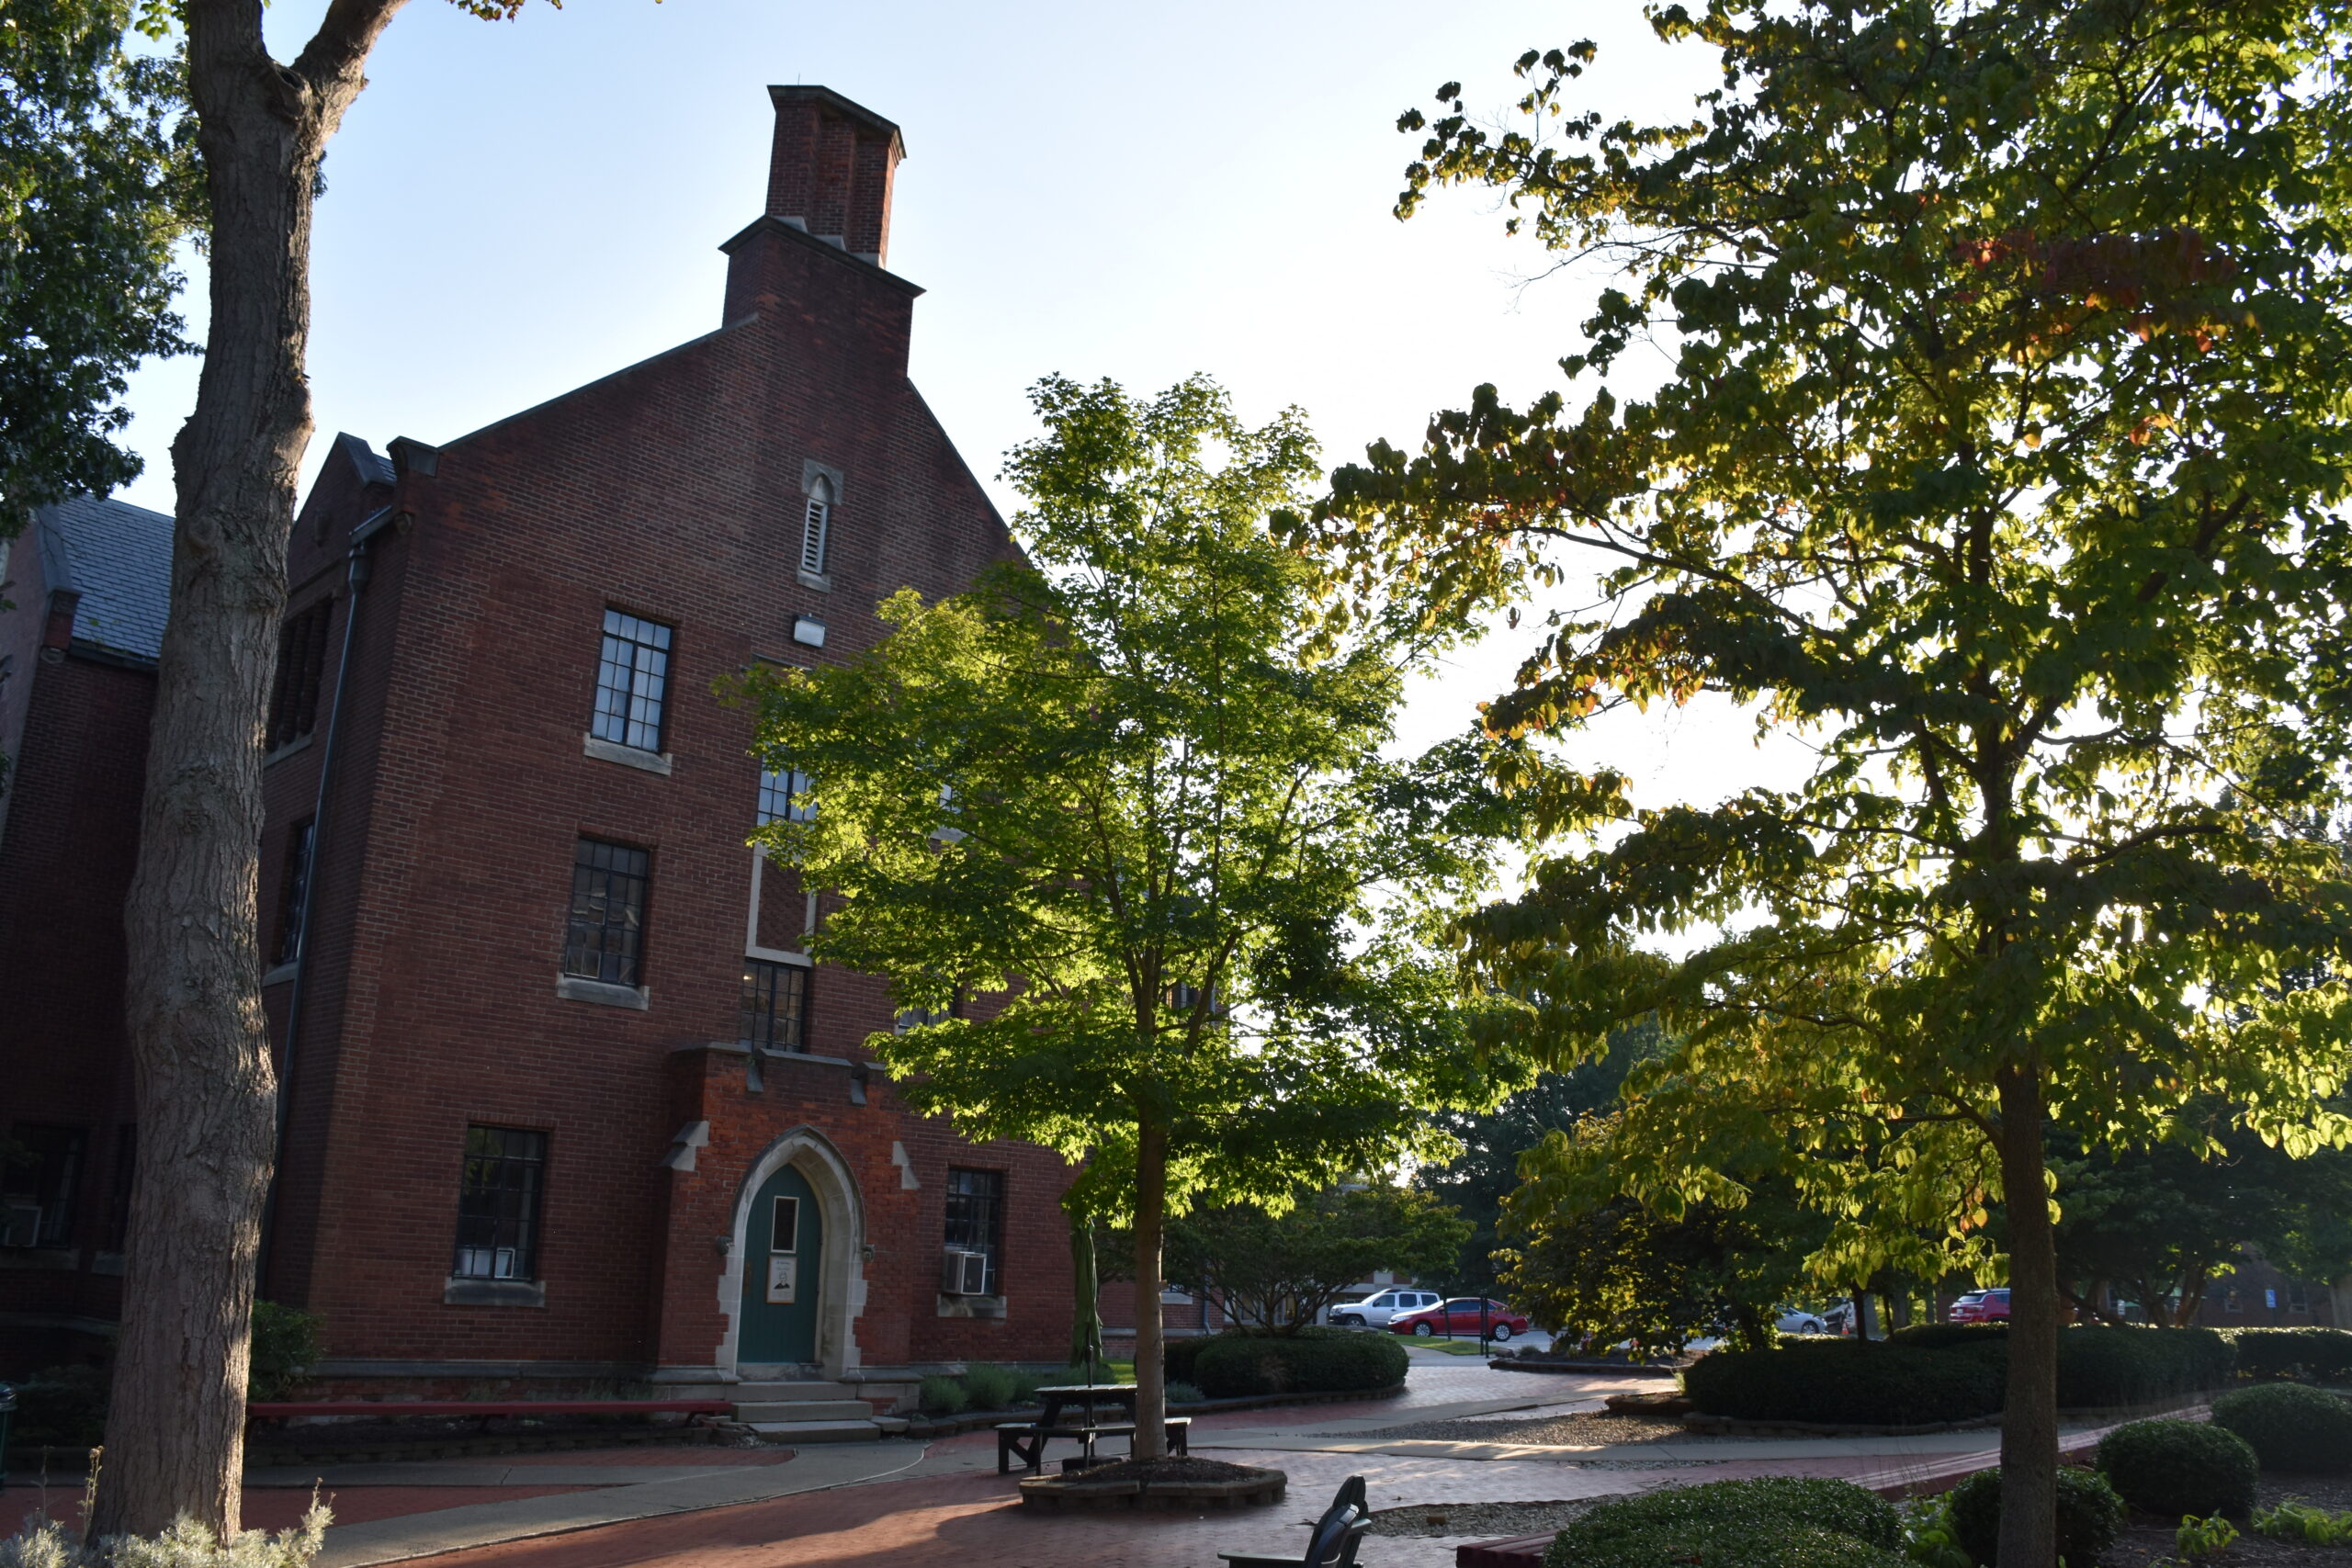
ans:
(498, 1205)
(632, 677)
(608, 926)
(976, 1218)
(775, 1006)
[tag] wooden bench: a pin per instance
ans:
(1026, 1441)
(485, 1408)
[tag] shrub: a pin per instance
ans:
(62, 1407)
(2180, 1467)
(1311, 1361)
(286, 1341)
(1177, 1355)
(1846, 1382)
(2103, 1368)
(1945, 1335)
(1776, 1522)
(2308, 1355)
(1026, 1385)
(2291, 1427)
(2090, 1515)
(42, 1544)
(1184, 1393)
(941, 1395)
(986, 1387)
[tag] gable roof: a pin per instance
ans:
(118, 557)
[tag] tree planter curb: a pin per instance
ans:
(1075, 1494)
(922, 1426)
(1729, 1427)
(1629, 1369)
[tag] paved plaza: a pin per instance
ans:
(846, 1505)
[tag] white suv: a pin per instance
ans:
(1375, 1310)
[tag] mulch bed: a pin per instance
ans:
(1479, 1521)
(2149, 1536)
(1581, 1429)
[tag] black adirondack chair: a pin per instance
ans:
(1334, 1544)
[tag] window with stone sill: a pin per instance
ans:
(632, 682)
(498, 1205)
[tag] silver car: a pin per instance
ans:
(1375, 1310)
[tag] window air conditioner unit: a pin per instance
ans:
(20, 1225)
(965, 1274)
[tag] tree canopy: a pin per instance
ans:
(1277, 1272)
(1137, 849)
(2000, 454)
(98, 180)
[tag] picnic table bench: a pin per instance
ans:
(1026, 1441)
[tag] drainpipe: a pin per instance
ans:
(356, 575)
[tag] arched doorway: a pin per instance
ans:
(793, 1308)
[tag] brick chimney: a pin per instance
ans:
(830, 172)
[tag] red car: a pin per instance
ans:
(1460, 1318)
(1981, 1306)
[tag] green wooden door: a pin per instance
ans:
(783, 1250)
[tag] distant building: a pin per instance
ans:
(567, 1096)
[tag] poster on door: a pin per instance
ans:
(783, 1278)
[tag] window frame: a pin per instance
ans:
(623, 700)
(54, 1181)
(767, 970)
(788, 788)
(300, 675)
(618, 961)
(522, 1235)
(990, 1220)
(296, 881)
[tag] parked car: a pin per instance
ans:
(1803, 1322)
(1461, 1319)
(1981, 1306)
(1375, 1310)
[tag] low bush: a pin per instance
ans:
(1310, 1361)
(1776, 1522)
(986, 1387)
(2307, 1355)
(2180, 1467)
(1177, 1355)
(61, 1407)
(1945, 1335)
(2090, 1515)
(286, 1341)
(2295, 1519)
(2105, 1367)
(43, 1544)
(1846, 1382)
(1184, 1393)
(2291, 1427)
(941, 1395)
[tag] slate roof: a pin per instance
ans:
(374, 467)
(119, 558)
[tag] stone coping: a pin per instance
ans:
(1073, 1493)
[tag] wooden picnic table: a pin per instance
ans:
(1077, 1410)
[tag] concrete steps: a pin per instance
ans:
(809, 1412)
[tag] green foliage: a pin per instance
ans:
(2289, 1427)
(2091, 1515)
(62, 1407)
(1845, 1382)
(1276, 1272)
(1478, 1180)
(1929, 1537)
(2196, 1538)
(1592, 1265)
(1182, 1392)
(1314, 1361)
(987, 1387)
(1934, 1372)
(2306, 1355)
(1776, 1522)
(97, 179)
(2163, 1467)
(1178, 1356)
(940, 1395)
(286, 1341)
(2295, 1519)
(186, 1545)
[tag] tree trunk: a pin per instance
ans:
(2029, 1536)
(200, 1045)
(1151, 1368)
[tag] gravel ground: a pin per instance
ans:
(1581, 1429)
(1484, 1521)
(2149, 1539)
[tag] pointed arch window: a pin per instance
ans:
(817, 526)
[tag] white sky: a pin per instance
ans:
(515, 209)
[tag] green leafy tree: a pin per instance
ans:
(1141, 851)
(96, 181)
(1478, 1180)
(1276, 1272)
(1999, 455)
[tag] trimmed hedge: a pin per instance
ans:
(2306, 1355)
(1939, 1373)
(1775, 1522)
(2180, 1467)
(2289, 1427)
(2090, 1515)
(1176, 1356)
(1326, 1360)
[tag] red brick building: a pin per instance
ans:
(566, 1097)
